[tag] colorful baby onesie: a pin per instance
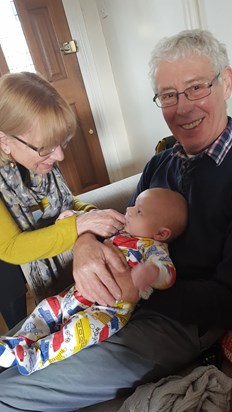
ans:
(66, 323)
(140, 249)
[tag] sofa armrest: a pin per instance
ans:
(113, 196)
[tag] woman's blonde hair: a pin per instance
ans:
(26, 99)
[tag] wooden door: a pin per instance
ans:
(45, 27)
(3, 64)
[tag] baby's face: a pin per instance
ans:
(141, 218)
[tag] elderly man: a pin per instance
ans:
(192, 81)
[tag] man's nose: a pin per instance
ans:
(184, 104)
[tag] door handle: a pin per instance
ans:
(69, 47)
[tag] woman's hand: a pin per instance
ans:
(93, 278)
(100, 222)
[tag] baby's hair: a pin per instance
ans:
(174, 210)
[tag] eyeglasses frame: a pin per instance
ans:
(39, 150)
(209, 85)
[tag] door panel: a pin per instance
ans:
(46, 29)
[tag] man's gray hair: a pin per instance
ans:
(185, 44)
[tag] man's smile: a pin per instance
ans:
(191, 125)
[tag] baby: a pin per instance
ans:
(62, 325)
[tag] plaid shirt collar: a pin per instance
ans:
(217, 150)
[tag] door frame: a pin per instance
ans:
(111, 132)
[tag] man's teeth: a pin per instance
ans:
(191, 125)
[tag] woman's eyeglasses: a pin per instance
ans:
(42, 151)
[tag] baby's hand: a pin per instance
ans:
(144, 277)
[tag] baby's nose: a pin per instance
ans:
(128, 210)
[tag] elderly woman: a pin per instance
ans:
(36, 124)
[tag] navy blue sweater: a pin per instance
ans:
(202, 293)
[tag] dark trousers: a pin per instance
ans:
(12, 294)
(148, 348)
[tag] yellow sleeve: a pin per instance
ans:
(78, 205)
(21, 247)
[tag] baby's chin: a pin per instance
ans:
(126, 228)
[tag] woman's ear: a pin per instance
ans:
(227, 78)
(4, 143)
(163, 234)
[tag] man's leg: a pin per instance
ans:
(148, 348)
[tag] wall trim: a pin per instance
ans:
(193, 12)
(87, 66)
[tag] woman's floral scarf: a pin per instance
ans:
(21, 197)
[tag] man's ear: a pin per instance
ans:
(227, 78)
(163, 234)
(4, 143)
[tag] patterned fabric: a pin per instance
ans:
(59, 327)
(217, 150)
(226, 345)
(67, 323)
(21, 198)
(139, 250)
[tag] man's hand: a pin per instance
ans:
(93, 278)
(129, 293)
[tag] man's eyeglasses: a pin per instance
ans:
(42, 151)
(195, 92)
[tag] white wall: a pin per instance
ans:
(131, 28)
(114, 56)
(217, 17)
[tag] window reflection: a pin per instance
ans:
(12, 39)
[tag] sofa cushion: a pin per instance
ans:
(113, 196)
